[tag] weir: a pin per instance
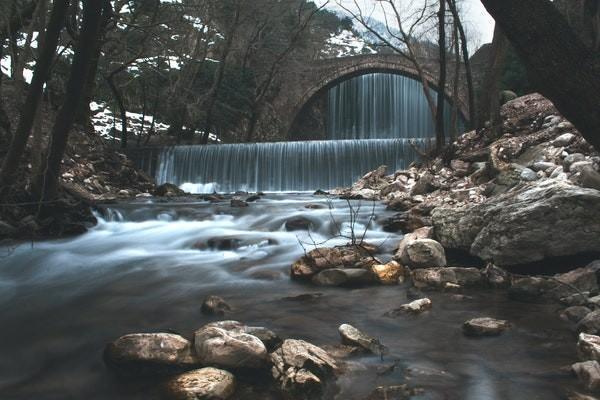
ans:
(372, 120)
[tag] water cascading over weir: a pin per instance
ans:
(370, 121)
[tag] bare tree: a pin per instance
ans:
(439, 127)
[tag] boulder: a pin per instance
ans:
(529, 288)
(344, 277)
(332, 257)
(564, 140)
(149, 354)
(353, 337)
(391, 273)
(214, 305)
(437, 278)
(590, 323)
(423, 253)
(406, 221)
(421, 233)
(528, 224)
(424, 185)
(589, 178)
(485, 327)
(572, 159)
(575, 313)
(588, 347)
(588, 372)
(302, 369)
(227, 345)
(414, 307)
(205, 383)
(168, 190)
(298, 224)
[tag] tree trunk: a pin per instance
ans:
(466, 61)
(92, 17)
(441, 98)
(29, 110)
(561, 67)
(122, 110)
(455, 81)
(489, 103)
(38, 22)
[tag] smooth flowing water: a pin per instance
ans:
(140, 270)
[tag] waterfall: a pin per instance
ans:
(380, 105)
(371, 121)
(281, 167)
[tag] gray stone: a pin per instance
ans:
(298, 224)
(226, 345)
(590, 323)
(563, 140)
(415, 307)
(202, 384)
(575, 313)
(496, 276)
(528, 175)
(579, 166)
(589, 178)
(588, 373)
(485, 327)
(571, 159)
(588, 347)
(525, 225)
(543, 166)
(437, 278)
(423, 253)
(148, 354)
(353, 337)
(302, 369)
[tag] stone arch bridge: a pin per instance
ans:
(318, 76)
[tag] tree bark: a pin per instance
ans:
(29, 110)
(441, 98)
(92, 18)
(557, 61)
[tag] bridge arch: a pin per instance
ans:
(325, 74)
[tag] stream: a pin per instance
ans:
(148, 264)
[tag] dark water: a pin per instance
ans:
(62, 301)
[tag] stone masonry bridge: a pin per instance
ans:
(318, 76)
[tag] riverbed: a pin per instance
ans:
(148, 264)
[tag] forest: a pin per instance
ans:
(300, 200)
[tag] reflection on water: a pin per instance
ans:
(147, 266)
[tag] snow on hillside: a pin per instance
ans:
(346, 43)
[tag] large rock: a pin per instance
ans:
(353, 337)
(588, 347)
(302, 369)
(423, 253)
(590, 323)
(147, 354)
(438, 278)
(528, 224)
(226, 344)
(485, 327)
(202, 384)
(331, 257)
(588, 373)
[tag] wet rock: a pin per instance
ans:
(589, 178)
(437, 278)
(518, 227)
(496, 276)
(302, 369)
(215, 305)
(269, 338)
(528, 175)
(353, 337)
(543, 166)
(304, 297)
(321, 193)
(415, 307)
(579, 396)
(148, 354)
(564, 140)
(423, 253)
(314, 206)
(405, 222)
(421, 233)
(344, 277)
(168, 190)
(232, 243)
(529, 289)
(252, 199)
(226, 345)
(237, 203)
(580, 280)
(578, 167)
(332, 257)
(401, 204)
(298, 224)
(391, 273)
(575, 313)
(396, 392)
(590, 323)
(588, 372)
(485, 327)
(588, 347)
(205, 383)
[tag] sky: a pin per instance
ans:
(476, 20)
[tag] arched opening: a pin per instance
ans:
(371, 103)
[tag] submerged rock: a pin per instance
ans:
(531, 223)
(205, 383)
(344, 277)
(148, 354)
(588, 372)
(485, 327)
(302, 369)
(238, 203)
(396, 392)
(353, 337)
(214, 305)
(298, 224)
(226, 344)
